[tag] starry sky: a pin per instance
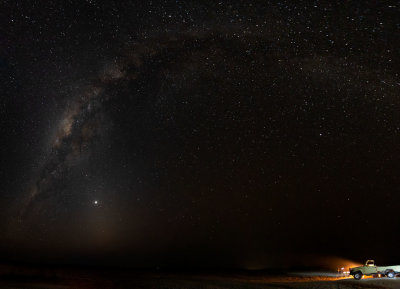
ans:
(233, 134)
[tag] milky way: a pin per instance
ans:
(189, 132)
(82, 119)
(76, 131)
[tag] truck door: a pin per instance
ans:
(370, 270)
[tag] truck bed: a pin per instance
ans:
(395, 268)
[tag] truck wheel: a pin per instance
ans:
(390, 274)
(358, 275)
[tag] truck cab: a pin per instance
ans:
(370, 268)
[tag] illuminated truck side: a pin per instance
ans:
(370, 269)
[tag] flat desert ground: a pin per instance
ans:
(68, 279)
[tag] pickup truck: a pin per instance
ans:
(370, 269)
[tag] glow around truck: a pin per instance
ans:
(370, 269)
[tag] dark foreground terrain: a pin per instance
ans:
(17, 277)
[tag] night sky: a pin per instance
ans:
(176, 134)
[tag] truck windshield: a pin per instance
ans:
(370, 263)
